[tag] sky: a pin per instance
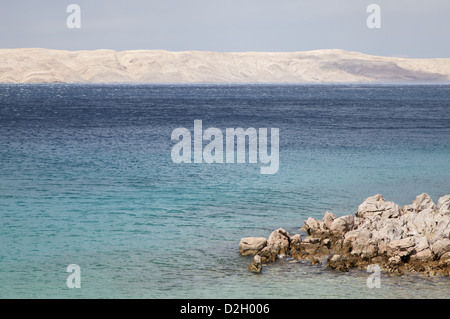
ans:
(409, 28)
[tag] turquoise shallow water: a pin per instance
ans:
(86, 178)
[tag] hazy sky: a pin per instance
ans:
(414, 28)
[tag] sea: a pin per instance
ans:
(87, 179)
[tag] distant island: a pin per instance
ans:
(159, 66)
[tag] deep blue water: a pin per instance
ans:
(86, 177)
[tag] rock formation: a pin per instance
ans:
(251, 245)
(256, 265)
(413, 238)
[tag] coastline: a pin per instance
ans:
(37, 65)
(409, 239)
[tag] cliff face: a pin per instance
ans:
(157, 66)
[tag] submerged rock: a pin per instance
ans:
(256, 265)
(415, 237)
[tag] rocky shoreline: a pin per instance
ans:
(413, 238)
